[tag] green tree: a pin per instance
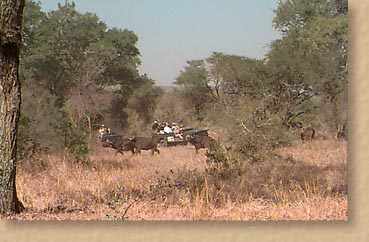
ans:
(236, 75)
(144, 99)
(195, 87)
(118, 47)
(82, 72)
(33, 18)
(62, 41)
(311, 57)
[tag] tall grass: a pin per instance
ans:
(304, 182)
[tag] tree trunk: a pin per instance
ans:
(10, 98)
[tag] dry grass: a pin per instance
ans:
(306, 182)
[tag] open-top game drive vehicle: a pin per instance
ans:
(171, 139)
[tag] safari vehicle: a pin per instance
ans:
(170, 139)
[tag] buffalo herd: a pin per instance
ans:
(198, 140)
(136, 144)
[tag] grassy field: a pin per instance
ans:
(304, 182)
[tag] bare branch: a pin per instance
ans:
(242, 124)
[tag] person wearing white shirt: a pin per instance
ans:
(167, 129)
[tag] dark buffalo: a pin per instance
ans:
(142, 143)
(307, 134)
(117, 142)
(202, 141)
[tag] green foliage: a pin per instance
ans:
(74, 139)
(313, 51)
(196, 91)
(33, 17)
(259, 144)
(62, 45)
(38, 117)
(85, 73)
(238, 75)
(144, 99)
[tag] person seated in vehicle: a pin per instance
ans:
(155, 127)
(103, 131)
(167, 129)
(176, 131)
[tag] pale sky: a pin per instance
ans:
(172, 32)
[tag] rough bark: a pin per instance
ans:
(10, 99)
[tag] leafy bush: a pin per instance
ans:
(75, 142)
